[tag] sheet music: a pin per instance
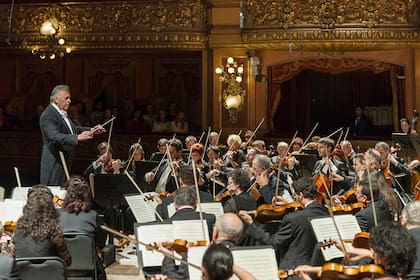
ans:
(11, 210)
(190, 230)
(143, 211)
(153, 233)
(260, 262)
(195, 256)
(22, 193)
(325, 230)
(215, 208)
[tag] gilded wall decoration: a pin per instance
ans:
(131, 24)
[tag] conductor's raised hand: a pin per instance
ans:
(85, 135)
(98, 129)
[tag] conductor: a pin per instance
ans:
(59, 133)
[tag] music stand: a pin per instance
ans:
(306, 163)
(409, 145)
(142, 167)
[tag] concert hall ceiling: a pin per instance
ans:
(327, 25)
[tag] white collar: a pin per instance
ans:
(62, 112)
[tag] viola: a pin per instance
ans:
(348, 208)
(9, 226)
(338, 271)
(348, 197)
(267, 213)
(178, 245)
(323, 185)
(360, 240)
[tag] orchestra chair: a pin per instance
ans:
(83, 255)
(41, 268)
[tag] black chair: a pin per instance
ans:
(41, 268)
(83, 255)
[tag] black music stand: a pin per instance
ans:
(142, 167)
(306, 163)
(109, 191)
(410, 146)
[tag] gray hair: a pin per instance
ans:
(412, 213)
(185, 196)
(382, 145)
(230, 229)
(57, 89)
(263, 161)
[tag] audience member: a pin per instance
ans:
(179, 125)
(161, 124)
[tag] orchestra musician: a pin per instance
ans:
(217, 168)
(294, 241)
(260, 146)
(8, 267)
(290, 163)
(392, 167)
(161, 145)
(328, 165)
(248, 140)
(214, 138)
(371, 181)
(135, 153)
(190, 140)
(406, 127)
(234, 156)
(104, 163)
(391, 247)
(185, 179)
(266, 179)
(238, 198)
(38, 232)
(164, 177)
(197, 151)
(227, 230)
(410, 218)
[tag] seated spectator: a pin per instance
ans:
(150, 115)
(136, 122)
(161, 124)
(179, 125)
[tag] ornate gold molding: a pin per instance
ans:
(133, 24)
(331, 25)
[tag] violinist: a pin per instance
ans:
(327, 166)
(239, 198)
(163, 178)
(265, 179)
(393, 168)
(186, 179)
(197, 151)
(349, 153)
(406, 127)
(234, 156)
(365, 217)
(296, 145)
(161, 145)
(392, 247)
(135, 153)
(260, 146)
(248, 140)
(290, 163)
(294, 241)
(190, 140)
(104, 163)
(217, 169)
(227, 230)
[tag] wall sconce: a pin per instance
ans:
(232, 92)
(54, 45)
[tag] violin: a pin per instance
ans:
(159, 195)
(58, 201)
(360, 240)
(339, 271)
(348, 197)
(225, 195)
(178, 245)
(9, 226)
(348, 208)
(267, 213)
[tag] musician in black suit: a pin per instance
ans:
(365, 217)
(294, 241)
(410, 218)
(163, 177)
(59, 133)
(185, 179)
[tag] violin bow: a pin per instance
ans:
(132, 155)
(307, 138)
(133, 240)
(19, 184)
(336, 228)
(63, 162)
(280, 163)
(172, 166)
(141, 192)
(218, 136)
(160, 163)
(230, 146)
(335, 132)
(375, 218)
(109, 138)
(198, 199)
(206, 143)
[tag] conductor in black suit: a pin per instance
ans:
(59, 133)
(294, 241)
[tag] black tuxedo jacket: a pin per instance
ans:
(191, 214)
(295, 240)
(56, 136)
(365, 217)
